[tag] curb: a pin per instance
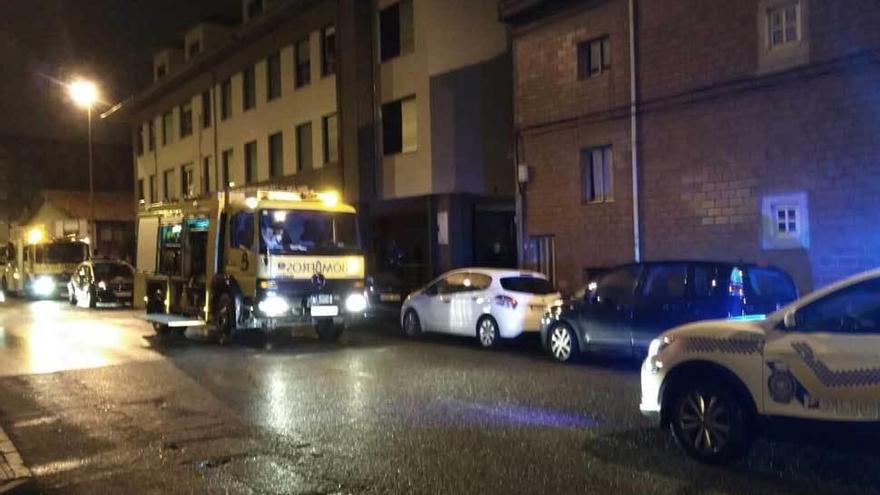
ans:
(13, 472)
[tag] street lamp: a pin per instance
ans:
(84, 94)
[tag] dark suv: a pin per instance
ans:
(632, 304)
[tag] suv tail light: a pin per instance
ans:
(506, 301)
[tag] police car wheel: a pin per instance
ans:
(412, 326)
(562, 343)
(710, 423)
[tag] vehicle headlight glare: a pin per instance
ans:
(355, 303)
(44, 286)
(273, 305)
(658, 345)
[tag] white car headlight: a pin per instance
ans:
(44, 286)
(355, 303)
(273, 305)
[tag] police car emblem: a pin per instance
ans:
(782, 386)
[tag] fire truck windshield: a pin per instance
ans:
(298, 231)
(61, 252)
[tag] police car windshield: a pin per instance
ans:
(61, 252)
(299, 231)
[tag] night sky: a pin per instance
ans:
(111, 41)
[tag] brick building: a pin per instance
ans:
(755, 126)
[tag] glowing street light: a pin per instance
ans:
(85, 94)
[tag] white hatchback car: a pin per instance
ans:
(716, 383)
(480, 302)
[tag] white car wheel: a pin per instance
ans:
(487, 332)
(563, 343)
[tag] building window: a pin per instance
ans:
(302, 63)
(161, 70)
(328, 51)
(304, 146)
(168, 177)
(151, 136)
(254, 8)
(167, 125)
(153, 189)
(226, 162)
(273, 76)
(593, 57)
(226, 99)
(248, 89)
(250, 162)
(786, 221)
(540, 255)
(206, 109)
(783, 23)
(276, 155)
(194, 49)
(141, 196)
(186, 119)
(139, 140)
(206, 175)
(187, 184)
(597, 175)
(399, 127)
(330, 139)
(396, 30)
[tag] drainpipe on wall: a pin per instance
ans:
(633, 127)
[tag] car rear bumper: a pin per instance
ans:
(651, 381)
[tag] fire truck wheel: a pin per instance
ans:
(225, 318)
(328, 331)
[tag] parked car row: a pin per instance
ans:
(621, 312)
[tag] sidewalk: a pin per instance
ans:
(13, 472)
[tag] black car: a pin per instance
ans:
(632, 304)
(105, 282)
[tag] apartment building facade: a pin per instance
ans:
(377, 100)
(684, 129)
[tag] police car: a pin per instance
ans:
(712, 383)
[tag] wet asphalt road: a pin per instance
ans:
(95, 404)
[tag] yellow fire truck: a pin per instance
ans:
(266, 260)
(39, 267)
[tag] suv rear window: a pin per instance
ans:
(771, 285)
(529, 285)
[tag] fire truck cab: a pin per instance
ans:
(265, 261)
(40, 267)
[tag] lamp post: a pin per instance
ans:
(84, 94)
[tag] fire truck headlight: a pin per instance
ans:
(44, 286)
(355, 303)
(273, 306)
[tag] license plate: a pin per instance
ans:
(123, 294)
(325, 310)
(389, 297)
(322, 299)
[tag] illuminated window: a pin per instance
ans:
(328, 51)
(187, 184)
(331, 139)
(783, 23)
(593, 57)
(597, 175)
(785, 222)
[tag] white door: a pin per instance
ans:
(433, 306)
(827, 364)
(467, 299)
